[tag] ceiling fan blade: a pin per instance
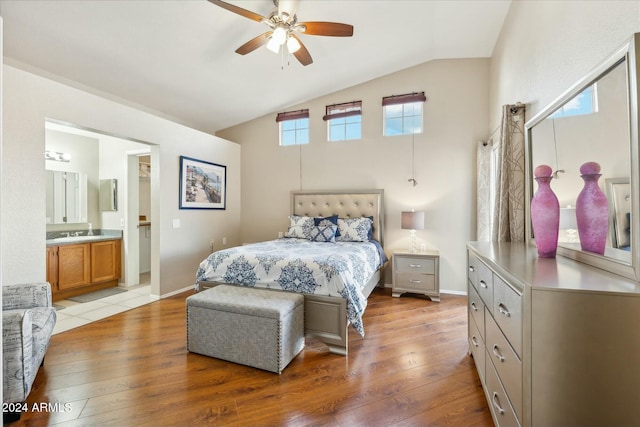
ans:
(302, 54)
(319, 28)
(240, 11)
(254, 43)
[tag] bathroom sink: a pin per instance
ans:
(76, 238)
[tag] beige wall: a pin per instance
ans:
(546, 46)
(29, 99)
(455, 118)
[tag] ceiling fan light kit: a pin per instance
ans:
(283, 24)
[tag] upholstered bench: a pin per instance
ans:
(254, 327)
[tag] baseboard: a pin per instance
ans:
(179, 291)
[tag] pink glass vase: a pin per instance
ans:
(592, 211)
(545, 214)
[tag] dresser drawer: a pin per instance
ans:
(472, 269)
(503, 413)
(407, 264)
(476, 309)
(485, 285)
(506, 362)
(507, 311)
(476, 346)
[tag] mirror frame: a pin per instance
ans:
(629, 53)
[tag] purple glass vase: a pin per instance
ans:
(592, 211)
(545, 214)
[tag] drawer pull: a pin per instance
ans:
(472, 268)
(496, 403)
(483, 284)
(473, 305)
(474, 340)
(415, 265)
(496, 352)
(503, 310)
(415, 281)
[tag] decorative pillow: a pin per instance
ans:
(327, 220)
(323, 233)
(355, 229)
(299, 226)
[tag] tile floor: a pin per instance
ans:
(76, 314)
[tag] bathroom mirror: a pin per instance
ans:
(66, 200)
(594, 120)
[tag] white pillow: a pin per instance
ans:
(355, 229)
(299, 226)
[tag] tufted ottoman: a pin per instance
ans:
(253, 327)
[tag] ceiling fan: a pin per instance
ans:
(283, 29)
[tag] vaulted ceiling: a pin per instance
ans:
(176, 59)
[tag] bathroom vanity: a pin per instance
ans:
(82, 264)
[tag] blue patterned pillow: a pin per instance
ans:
(323, 233)
(299, 226)
(319, 220)
(355, 229)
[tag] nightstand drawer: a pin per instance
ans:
(415, 265)
(416, 282)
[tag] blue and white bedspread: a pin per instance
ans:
(299, 265)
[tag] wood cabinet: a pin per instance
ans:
(73, 265)
(555, 342)
(74, 269)
(417, 273)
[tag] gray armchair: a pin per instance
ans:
(28, 319)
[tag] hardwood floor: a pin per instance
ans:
(133, 369)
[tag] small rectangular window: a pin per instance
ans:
(586, 102)
(403, 114)
(294, 127)
(344, 121)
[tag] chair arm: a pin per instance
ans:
(17, 349)
(26, 295)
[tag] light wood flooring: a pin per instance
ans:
(133, 369)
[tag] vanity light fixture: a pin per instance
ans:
(57, 156)
(413, 221)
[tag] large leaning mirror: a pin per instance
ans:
(596, 120)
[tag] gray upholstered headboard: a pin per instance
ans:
(345, 204)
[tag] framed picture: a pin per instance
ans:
(203, 185)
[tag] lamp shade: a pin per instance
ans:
(413, 220)
(568, 219)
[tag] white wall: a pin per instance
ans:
(455, 118)
(29, 99)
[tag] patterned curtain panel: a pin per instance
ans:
(508, 215)
(484, 191)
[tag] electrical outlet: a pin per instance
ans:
(212, 243)
(224, 240)
(279, 234)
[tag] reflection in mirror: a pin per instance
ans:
(591, 126)
(66, 197)
(594, 121)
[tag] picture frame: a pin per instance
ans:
(203, 185)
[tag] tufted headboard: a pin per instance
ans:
(344, 203)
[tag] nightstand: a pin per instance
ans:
(417, 273)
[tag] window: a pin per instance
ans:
(344, 121)
(403, 114)
(586, 102)
(294, 127)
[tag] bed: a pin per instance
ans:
(344, 271)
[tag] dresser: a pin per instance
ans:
(555, 342)
(417, 273)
